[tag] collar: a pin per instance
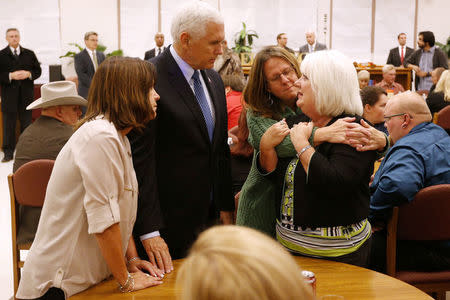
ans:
(90, 51)
(432, 49)
(186, 69)
(17, 49)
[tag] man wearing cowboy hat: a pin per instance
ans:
(45, 137)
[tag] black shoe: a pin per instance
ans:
(7, 158)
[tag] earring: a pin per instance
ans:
(270, 99)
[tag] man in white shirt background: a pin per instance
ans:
(311, 45)
(87, 62)
(159, 40)
(398, 55)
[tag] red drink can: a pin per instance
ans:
(310, 279)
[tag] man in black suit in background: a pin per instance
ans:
(398, 55)
(159, 40)
(189, 136)
(87, 62)
(19, 67)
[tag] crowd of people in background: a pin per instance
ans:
(174, 144)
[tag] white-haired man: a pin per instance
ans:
(388, 83)
(45, 137)
(191, 161)
(419, 158)
(311, 45)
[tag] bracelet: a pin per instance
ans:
(128, 286)
(303, 150)
(132, 259)
(311, 138)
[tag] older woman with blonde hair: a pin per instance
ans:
(363, 78)
(85, 229)
(440, 97)
(323, 193)
(233, 262)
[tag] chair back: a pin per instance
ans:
(30, 182)
(426, 218)
(443, 118)
(27, 186)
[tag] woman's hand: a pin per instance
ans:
(138, 265)
(343, 131)
(274, 135)
(143, 280)
(376, 141)
(300, 134)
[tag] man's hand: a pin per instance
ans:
(421, 73)
(158, 253)
(226, 217)
(20, 75)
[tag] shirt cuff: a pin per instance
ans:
(9, 75)
(149, 235)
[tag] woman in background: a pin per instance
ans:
(374, 99)
(233, 262)
(84, 232)
(440, 97)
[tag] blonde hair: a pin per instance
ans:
(334, 83)
(233, 262)
(443, 85)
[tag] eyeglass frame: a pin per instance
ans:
(388, 118)
(284, 73)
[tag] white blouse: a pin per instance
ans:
(93, 186)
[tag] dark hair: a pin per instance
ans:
(242, 148)
(427, 37)
(279, 35)
(120, 91)
(11, 29)
(401, 33)
(256, 94)
(234, 81)
(371, 94)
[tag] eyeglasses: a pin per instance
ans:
(387, 118)
(287, 73)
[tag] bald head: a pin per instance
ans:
(404, 112)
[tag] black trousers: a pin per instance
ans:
(9, 128)
(53, 294)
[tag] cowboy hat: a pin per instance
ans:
(58, 93)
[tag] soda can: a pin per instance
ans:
(310, 279)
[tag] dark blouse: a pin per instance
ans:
(436, 102)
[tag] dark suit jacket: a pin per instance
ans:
(17, 94)
(394, 56)
(151, 53)
(85, 70)
(189, 168)
(439, 60)
(319, 46)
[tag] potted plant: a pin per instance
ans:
(243, 43)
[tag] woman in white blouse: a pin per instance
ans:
(85, 230)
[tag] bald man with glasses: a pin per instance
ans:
(419, 158)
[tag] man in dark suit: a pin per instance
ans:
(192, 160)
(19, 67)
(87, 62)
(311, 44)
(398, 55)
(159, 40)
(425, 59)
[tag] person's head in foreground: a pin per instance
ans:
(363, 78)
(403, 112)
(328, 86)
(232, 262)
(374, 99)
(122, 91)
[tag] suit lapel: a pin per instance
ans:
(182, 87)
(89, 59)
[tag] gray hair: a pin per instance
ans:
(334, 83)
(88, 34)
(363, 74)
(193, 18)
(388, 68)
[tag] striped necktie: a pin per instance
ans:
(203, 102)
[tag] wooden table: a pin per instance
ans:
(403, 75)
(332, 278)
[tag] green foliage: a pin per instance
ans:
(244, 40)
(445, 48)
(100, 48)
